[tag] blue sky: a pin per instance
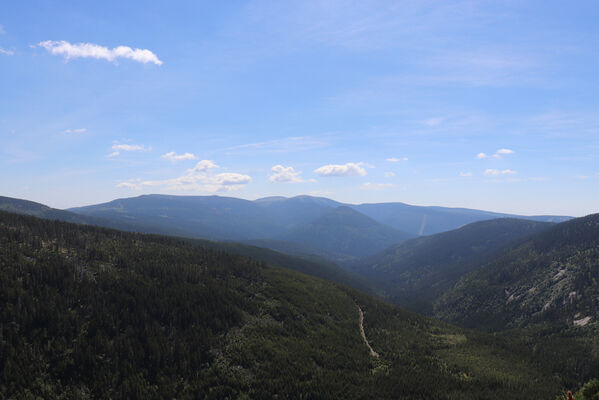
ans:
(489, 105)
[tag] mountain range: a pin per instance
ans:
(315, 225)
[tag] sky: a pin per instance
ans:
(480, 104)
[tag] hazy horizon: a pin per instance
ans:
(488, 106)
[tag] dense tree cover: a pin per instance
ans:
(87, 312)
(415, 273)
(590, 391)
(552, 278)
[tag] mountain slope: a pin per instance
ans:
(210, 217)
(314, 266)
(345, 232)
(421, 220)
(27, 207)
(416, 272)
(38, 210)
(95, 313)
(552, 278)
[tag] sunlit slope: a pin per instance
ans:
(552, 278)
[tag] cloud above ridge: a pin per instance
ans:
(174, 157)
(199, 179)
(349, 169)
(496, 172)
(283, 174)
(90, 50)
(498, 154)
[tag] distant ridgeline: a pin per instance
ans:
(89, 312)
(302, 224)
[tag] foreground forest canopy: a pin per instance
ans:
(89, 312)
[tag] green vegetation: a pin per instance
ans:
(551, 279)
(590, 391)
(415, 273)
(88, 312)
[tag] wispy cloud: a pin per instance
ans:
(376, 186)
(466, 174)
(285, 145)
(174, 157)
(567, 124)
(6, 52)
(349, 169)
(90, 50)
(432, 122)
(496, 172)
(130, 147)
(118, 148)
(199, 179)
(395, 159)
(389, 174)
(283, 174)
(498, 154)
(78, 130)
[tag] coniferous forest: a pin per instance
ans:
(89, 312)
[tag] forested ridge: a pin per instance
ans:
(89, 312)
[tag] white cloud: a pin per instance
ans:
(395, 159)
(130, 147)
(129, 185)
(496, 172)
(283, 174)
(78, 130)
(6, 52)
(199, 179)
(90, 50)
(114, 154)
(497, 155)
(204, 165)
(375, 186)
(469, 173)
(389, 174)
(505, 151)
(173, 157)
(349, 169)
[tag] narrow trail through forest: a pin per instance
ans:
(372, 352)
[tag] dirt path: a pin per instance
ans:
(372, 352)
